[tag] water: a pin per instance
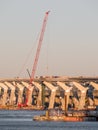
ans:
(22, 120)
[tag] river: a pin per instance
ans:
(22, 120)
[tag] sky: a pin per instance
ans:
(70, 43)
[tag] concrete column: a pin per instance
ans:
(95, 93)
(82, 100)
(91, 102)
(0, 90)
(53, 93)
(82, 95)
(29, 92)
(5, 95)
(20, 93)
(75, 102)
(0, 96)
(67, 90)
(12, 98)
(95, 85)
(39, 98)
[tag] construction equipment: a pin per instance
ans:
(39, 47)
(37, 53)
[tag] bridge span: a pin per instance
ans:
(51, 92)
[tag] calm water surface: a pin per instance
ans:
(22, 120)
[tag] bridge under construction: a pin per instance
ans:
(50, 92)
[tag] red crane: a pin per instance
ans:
(37, 54)
(39, 47)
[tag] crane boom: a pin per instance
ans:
(39, 47)
(30, 89)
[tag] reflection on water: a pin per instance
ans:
(22, 120)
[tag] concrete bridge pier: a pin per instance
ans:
(75, 101)
(20, 94)
(67, 90)
(95, 92)
(39, 98)
(83, 91)
(0, 95)
(5, 99)
(12, 98)
(52, 96)
(30, 89)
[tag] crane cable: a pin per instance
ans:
(27, 58)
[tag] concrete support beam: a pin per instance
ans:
(82, 100)
(30, 89)
(95, 92)
(12, 98)
(82, 96)
(0, 95)
(75, 102)
(0, 90)
(67, 94)
(79, 86)
(20, 93)
(95, 85)
(53, 93)
(91, 102)
(39, 98)
(5, 95)
(25, 84)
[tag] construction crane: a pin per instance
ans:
(39, 46)
(37, 53)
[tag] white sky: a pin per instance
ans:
(70, 45)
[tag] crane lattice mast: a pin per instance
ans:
(39, 47)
